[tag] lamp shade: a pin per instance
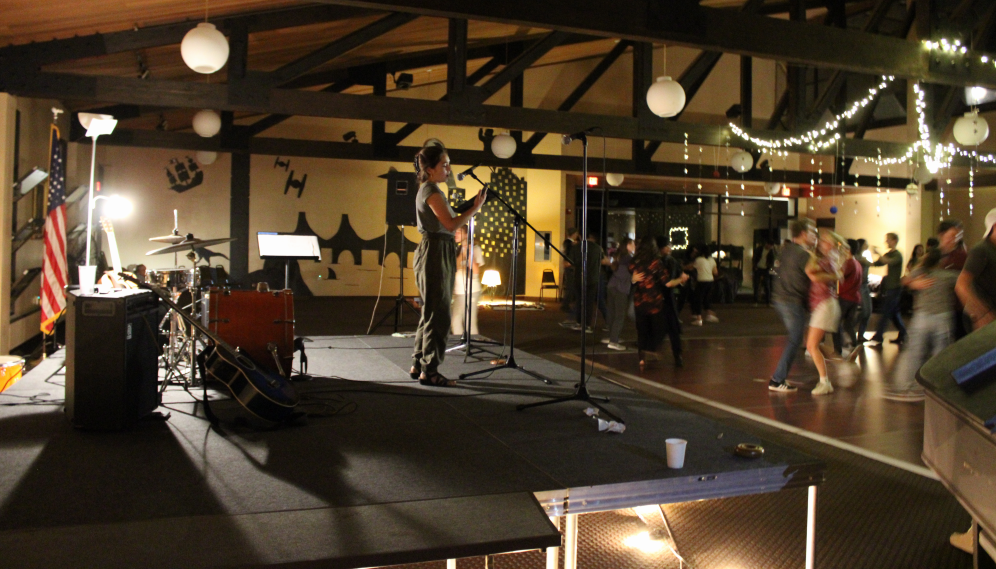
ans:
(491, 278)
(666, 97)
(206, 157)
(971, 129)
(741, 161)
(503, 145)
(207, 123)
(204, 49)
(772, 188)
(614, 179)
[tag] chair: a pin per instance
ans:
(548, 281)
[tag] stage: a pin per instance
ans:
(382, 471)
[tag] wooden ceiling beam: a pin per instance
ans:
(684, 22)
(367, 152)
(96, 45)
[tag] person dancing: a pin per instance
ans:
(435, 263)
(650, 280)
(824, 271)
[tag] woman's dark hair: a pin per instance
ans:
(931, 258)
(621, 248)
(426, 158)
(646, 251)
(854, 246)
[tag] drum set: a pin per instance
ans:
(187, 288)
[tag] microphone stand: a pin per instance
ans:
(467, 340)
(581, 392)
(516, 219)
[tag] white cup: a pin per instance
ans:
(88, 276)
(675, 452)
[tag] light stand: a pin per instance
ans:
(96, 125)
(467, 340)
(581, 389)
(400, 300)
(516, 219)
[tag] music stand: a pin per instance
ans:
(581, 389)
(466, 339)
(400, 300)
(288, 247)
(517, 218)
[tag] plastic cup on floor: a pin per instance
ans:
(676, 452)
(88, 276)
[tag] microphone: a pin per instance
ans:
(466, 172)
(583, 135)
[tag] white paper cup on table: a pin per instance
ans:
(675, 452)
(88, 276)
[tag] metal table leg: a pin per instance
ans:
(571, 542)
(811, 529)
(553, 553)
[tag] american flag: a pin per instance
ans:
(54, 273)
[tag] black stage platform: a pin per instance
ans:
(382, 471)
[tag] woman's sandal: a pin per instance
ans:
(415, 372)
(436, 379)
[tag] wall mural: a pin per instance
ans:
(183, 177)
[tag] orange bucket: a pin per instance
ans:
(10, 371)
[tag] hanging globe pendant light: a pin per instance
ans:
(666, 97)
(971, 129)
(204, 49)
(503, 146)
(207, 123)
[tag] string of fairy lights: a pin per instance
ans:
(934, 156)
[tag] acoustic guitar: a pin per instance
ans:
(262, 393)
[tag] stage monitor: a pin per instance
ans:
(285, 246)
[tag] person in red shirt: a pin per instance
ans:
(849, 297)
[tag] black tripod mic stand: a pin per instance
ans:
(467, 341)
(400, 301)
(516, 220)
(581, 392)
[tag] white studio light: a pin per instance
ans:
(204, 49)
(666, 97)
(116, 206)
(741, 161)
(503, 146)
(207, 123)
(206, 157)
(971, 129)
(614, 180)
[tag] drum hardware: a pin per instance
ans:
(11, 368)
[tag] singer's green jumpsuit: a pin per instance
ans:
(435, 267)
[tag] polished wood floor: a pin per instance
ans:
(729, 363)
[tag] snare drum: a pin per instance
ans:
(174, 278)
(10, 370)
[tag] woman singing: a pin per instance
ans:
(435, 263)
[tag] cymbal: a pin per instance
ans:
(171, 239)
(191, 243)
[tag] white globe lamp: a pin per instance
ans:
(772, 188)
(614, 180)
(923, 175)
(741, 161)
(912, 189)
(206, 157)
(207, 123)
(666, 97)
(971, 129)
(204, 49)
(503, 146)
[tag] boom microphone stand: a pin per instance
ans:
(467, 340)
(516, 219)
(581, 389)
